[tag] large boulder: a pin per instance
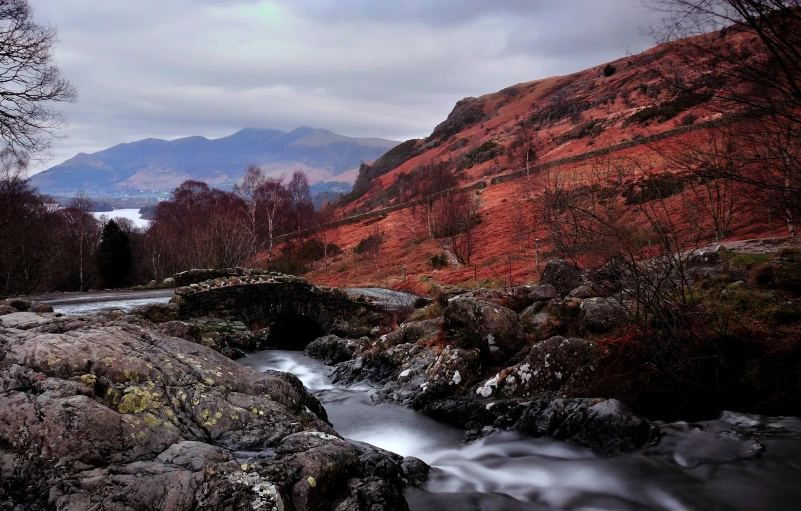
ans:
(601, 315)
(607, 426)
(705, 263)
(454, 369)
(412, 332)
(604, 425)
(553, 368)
(539, 325)
(105, 412)
(332, 349)
(544, 292)
(493, 329)
(563, 275)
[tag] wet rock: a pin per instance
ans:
(390, 466)
(106, 411)
(411, 376)
(606, 426)
(601, 315)
(493, 329)
(180, 329)
(7, 309)
(379, 367)
(540, 325)
(562, 275)
(582, 292)
(544, 292)
(332, 349)
(415, 471)
(158, 312)
(412, 332)
(40, 307)
(554, 367)
(455, 368)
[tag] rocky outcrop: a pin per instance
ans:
(466, 112)
(99, 411)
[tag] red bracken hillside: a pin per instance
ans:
(623, 114)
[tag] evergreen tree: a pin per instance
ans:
(114, 256)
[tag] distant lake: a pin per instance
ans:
(130, 213)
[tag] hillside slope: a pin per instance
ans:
(572, 126)
(153, 166)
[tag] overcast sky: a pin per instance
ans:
(173, 68)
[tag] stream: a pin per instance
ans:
(700, 466)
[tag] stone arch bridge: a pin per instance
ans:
(295, 310)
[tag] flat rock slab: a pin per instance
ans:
(25, 320)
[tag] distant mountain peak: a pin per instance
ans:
(154, 166)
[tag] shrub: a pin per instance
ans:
(439, 261)
(669, 109)
(653, 188)
(369, 244)
(485, 152)
(288, 264)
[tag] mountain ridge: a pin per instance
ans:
(156, 166)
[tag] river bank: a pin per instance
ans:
(738, 462)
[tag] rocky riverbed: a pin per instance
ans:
(148, 408)
(737, 462)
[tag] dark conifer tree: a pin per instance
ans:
(114, 256)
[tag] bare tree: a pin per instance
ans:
(325, 218)
(300, 199)
(28, 226)
(248, 190)
(759, 77)
(83, 231)
(713, 160)
(29, 80)
(464, 217)
(273, 198)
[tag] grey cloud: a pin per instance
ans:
(173, 68)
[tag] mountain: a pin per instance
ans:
(154, 166)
